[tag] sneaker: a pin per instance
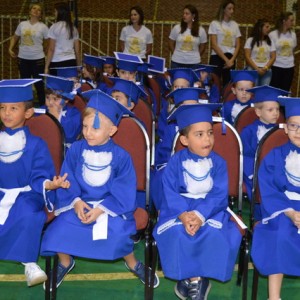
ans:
(204, 288)
(182, 288)
(61, 273)
(194, 290)
(199, 290)
(34, 274)
(139, 271)
(136, 237)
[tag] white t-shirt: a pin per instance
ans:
(227, 33)
(136, 41)
(261, 54)
(64, 47)
(285, 44)
(187, 46)
(31, 39)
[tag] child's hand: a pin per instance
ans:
(191, 222)
(92, 215)
(295, 217)
(58, 182)
(80, 208)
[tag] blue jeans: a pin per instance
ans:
(263, 80)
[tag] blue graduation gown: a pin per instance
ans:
(194, 183)
(276, 240)
(97, 173)
(231, 109)
(20, 233)
(71, 123)
(250, 136)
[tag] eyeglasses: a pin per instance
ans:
(292, 126)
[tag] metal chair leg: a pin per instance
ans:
(255, 284)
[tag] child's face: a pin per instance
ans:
(127, 75)
(269, 112)
(108, 69)
(86, 73)
(240, 90)
(13, 115)
(200, 139)
(53, 101)
(180, 83)
(100, 136)
(294, 135)
(122, 98)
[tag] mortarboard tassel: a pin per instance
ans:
(96, 124)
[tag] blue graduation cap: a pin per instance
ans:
(58, 84)
(67, 72)
(95, 61)
(185, 73)
(191, 93)
(128, 62)
(158, 64)
(107, 105)
(144, 68)
(266, 93)
(292, 106)
(186, 115)
(110, 60)
(238, 75)
(129, 88)
(206, 68)
(16, 90)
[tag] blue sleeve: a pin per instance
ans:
(71, 124)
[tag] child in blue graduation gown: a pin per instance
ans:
(58, 92)
(163, 148)
(26, 170)
(276, 240)
(194, 234)
(267, 111)
(243, 80)
(95, 216)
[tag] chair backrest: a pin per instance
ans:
(143, 113)
(229, 146)
(49, 129)
(273, 138)
(157, 92)
(216, 80)
(86, 87)
(247, 116)
(132, 136)
(227, 91)
(78, 102)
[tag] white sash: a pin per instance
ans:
(8, 201)
(100, 228)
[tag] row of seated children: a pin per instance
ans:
(100, 196)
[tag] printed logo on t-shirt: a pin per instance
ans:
(286, 48)
(134, 45)
(187, 43)
(27, 38)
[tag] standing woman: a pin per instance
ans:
(63, 50)
(285, 41)
(187, 40)
(135, 38)
(225, 41)
(260, 52)
(31, 57)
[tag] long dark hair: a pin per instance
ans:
(257, 33)
(140, 12)
(220, 13)
(64, 14)
(195, 26)
(282, 17)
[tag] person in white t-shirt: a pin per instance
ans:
(260, 52)
(135, 38)
(63, 36)
(285, 41)
(225, 41)
(187, 40)
(31, 35)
